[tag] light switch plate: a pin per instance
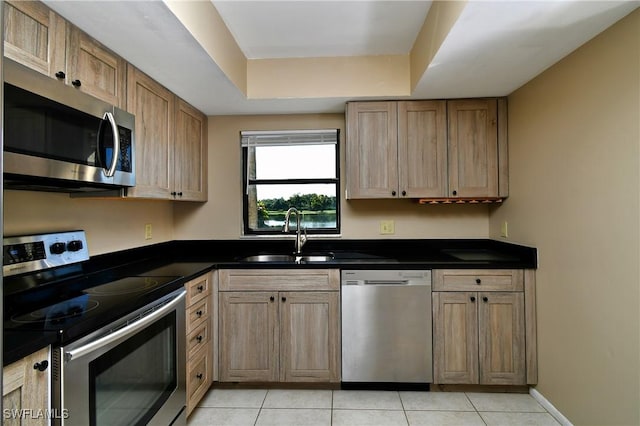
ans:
(148, 231)
(504, 229)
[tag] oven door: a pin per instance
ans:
(131, 372)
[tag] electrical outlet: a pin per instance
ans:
(148, 231)
(387, 227)
(504, 229)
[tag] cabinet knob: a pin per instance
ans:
(404, 193)
(76, 83)
(180, 194)
(393, 193)
(473, 298)
(455, 192)
(272, 298)
(485, 299)
(199, 376)
(199, 314)
(41, 366)
(478, 281)
(200, 289)
(60, 75)
(284, 299)
(199, 339)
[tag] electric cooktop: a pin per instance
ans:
(46, 299)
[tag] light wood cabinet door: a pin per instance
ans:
(199, 377)
(372, 150)
(501, 338)
(309, 336)
(154, 108)
(473, 148)
(249, 342)
(455, 325)
(190, 161)
(422, 149)
(479, 338)
(34, 36)
(26, 388)
(94, 69)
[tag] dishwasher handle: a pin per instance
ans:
(383, 282)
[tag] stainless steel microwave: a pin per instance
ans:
(60, 139)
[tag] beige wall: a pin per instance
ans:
(111, 225)
(574, 137)
(221, 217)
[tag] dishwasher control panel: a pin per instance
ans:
(388, 277)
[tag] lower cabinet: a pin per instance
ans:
(483, 336)
(25, 390)
(278, 328)
(199, 338)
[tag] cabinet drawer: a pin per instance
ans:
(198, 314)
(478, 280)
(199, 377)
(198, 338)
(198, 289)
(279, 279)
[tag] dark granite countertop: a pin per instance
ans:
(189, 259)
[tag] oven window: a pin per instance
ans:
(132, 381)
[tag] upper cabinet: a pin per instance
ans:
(35, 36)
(154, 108)
(190, 153)
(40, 39)
(427, 149)
(422, 149)
(171, 142)
(372, 150)
(94, 69)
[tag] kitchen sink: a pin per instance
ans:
(306, 258)
(269, 258)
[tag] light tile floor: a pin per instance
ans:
(238, 407)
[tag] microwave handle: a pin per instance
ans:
(116, 144)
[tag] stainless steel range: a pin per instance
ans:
(120, 355)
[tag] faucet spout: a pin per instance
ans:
(300, 239)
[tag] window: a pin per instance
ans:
(286, 169)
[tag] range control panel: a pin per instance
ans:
(37, 252)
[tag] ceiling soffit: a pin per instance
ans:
(391, 75)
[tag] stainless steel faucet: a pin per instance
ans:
(300, 239)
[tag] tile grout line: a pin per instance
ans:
(406, 417)
(260, 408)
(475, 408)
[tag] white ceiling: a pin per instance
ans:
(298, 29)
(492, 49)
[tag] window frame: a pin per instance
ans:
(247, 182)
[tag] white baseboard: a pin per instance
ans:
(549, 407)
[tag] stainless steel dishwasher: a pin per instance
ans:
(386, 326)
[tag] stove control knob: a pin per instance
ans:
(57, 248)
(75, 245)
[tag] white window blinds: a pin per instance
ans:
(288, 137)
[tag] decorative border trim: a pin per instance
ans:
(549, 407)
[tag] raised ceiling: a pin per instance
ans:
(313, 56)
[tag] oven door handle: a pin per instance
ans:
(125, 331)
